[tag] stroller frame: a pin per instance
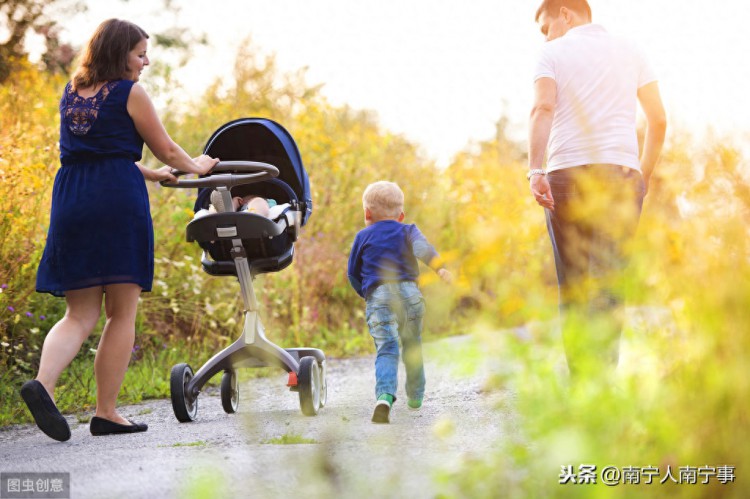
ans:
(306, 366)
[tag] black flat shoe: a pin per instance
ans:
(45, 412)
(101, 426)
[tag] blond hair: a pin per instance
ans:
(384, 200)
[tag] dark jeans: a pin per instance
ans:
(596, 214)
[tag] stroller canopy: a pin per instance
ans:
(264, 140)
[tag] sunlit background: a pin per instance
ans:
(438, 77)
(443, 72)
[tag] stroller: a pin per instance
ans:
(258, 157)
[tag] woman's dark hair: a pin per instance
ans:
(106, 54)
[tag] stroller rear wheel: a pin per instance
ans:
(230, 392)
(184, 405)
(310, 386)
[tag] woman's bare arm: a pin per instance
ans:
(149, 126)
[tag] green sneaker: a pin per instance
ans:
(382, 413)
(414, 404)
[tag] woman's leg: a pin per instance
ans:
(65, 338)
(115, 347)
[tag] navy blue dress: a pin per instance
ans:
(100, 229)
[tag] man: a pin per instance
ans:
(587, 84)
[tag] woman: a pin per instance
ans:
(100, 240)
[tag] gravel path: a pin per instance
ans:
(222, 455)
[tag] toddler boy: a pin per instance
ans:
(383, 269)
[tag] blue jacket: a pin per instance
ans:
(387, 251)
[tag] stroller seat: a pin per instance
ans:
(259, 157)
(268, 242)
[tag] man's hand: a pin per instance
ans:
(542, 192)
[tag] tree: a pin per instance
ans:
(19, 17)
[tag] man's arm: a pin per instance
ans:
(656, 128)
(540, 125)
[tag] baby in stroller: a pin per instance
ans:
(249, 203)
(262, 163)
(253, 204)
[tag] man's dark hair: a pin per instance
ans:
(553, 7)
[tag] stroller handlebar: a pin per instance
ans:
(227, 174)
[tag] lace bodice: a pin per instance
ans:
(81, 112)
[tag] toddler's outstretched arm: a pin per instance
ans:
(426, 253)
(445, 275)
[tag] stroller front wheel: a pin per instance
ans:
(184, 405)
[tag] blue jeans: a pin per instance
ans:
(395, 311)
(596, 214)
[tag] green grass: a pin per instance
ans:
(83, 418)
(290, 439)
(672, 404)
(205, 483)
(198, 443)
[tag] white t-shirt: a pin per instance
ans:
(597, 76)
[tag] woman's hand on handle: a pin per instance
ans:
(158, 175)
(206, 163)
(163, 173)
